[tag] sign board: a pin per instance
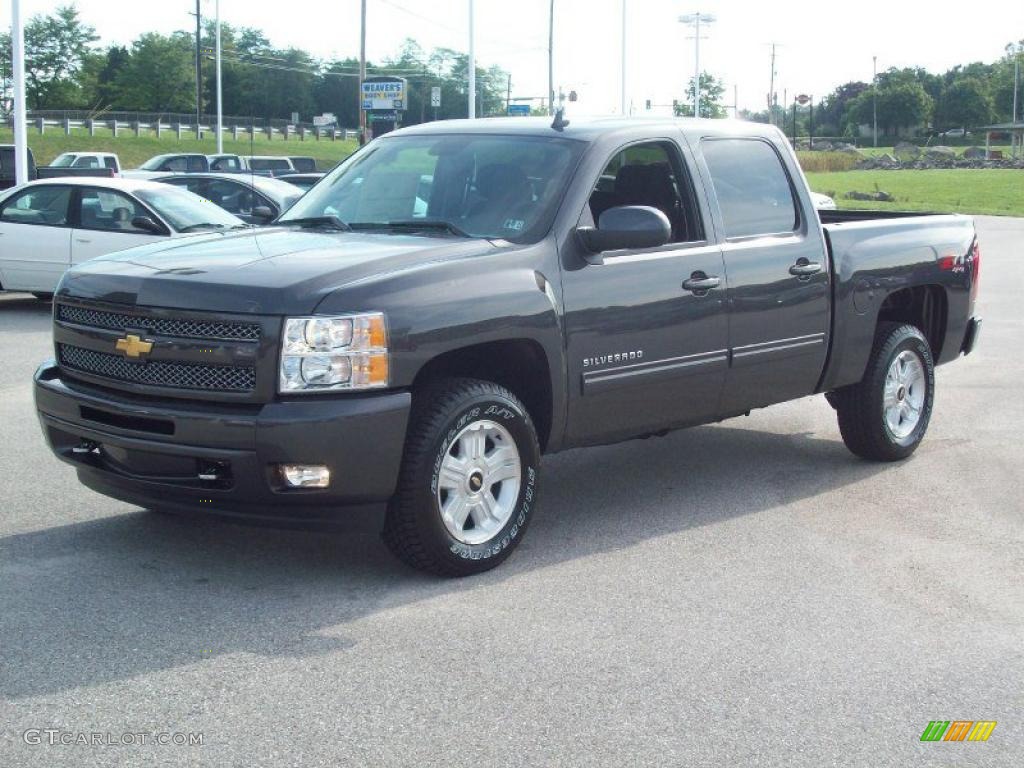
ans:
(435, 96)
(384, 94)
(382, 117)
(295, 117)
(519, 110)
(802, 99)
(327, 118)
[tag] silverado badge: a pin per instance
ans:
(133, 346)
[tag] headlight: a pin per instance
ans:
(328, 353)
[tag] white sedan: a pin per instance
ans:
(49, 225)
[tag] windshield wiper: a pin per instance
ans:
(319, 221)
(202, 224)
(438, 225)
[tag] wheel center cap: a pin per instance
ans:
(901, 393)
(476, 481)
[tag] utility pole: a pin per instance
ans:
(508, 94)
(771, 90)
(18, 56)
(551, 58)
(694, 20)
(622, 100)
(362, 71)
(472, 64)
(220, 97)
(1018, 142)
(199, 68)
(874, 100)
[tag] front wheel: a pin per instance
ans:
(886, 415)
(468, 483)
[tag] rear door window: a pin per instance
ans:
(47, 206)
(753, 189)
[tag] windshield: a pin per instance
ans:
(500, 187)
(154, 163)
(64, 160)
(184, 211)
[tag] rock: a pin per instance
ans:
(974, 153)
(876, 197)
(940, 152)
(906, 150)
(822, 146)
(847, 149)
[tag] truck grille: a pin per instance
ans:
(159, 326)
(158, 373)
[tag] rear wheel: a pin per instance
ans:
(886, 415)
(468, 481)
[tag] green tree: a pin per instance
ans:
(833, 114)
(902, 104)
(159, 75)
(55, 50)
(711, 90)
(965, 103)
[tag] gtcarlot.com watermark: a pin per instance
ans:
(59, 737)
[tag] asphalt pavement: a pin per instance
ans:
(747, 593)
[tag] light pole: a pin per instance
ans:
(695, 20)
(874, 99)
(1017, 141)
(551, 58)
(472, 65)
(362, 72)
(220, 101)
(622, 101)
(18, 55)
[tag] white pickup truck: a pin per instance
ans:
(88, 160)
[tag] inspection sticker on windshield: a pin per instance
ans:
(516, 225)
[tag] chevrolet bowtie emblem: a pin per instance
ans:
(133, 346)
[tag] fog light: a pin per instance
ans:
(306, 475)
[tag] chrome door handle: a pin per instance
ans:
(82, 240)
(701, 283)
(804, 268)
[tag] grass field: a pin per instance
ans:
(997, 192)
(134, 150)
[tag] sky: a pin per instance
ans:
(818, 45)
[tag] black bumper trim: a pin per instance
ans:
(971, 335)
(361, 439)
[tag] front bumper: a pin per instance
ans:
(152, 452)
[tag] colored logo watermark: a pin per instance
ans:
(958, 730)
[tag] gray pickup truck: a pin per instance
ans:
(459, 298)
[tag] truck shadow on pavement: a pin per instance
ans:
(109, 599)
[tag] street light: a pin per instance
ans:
(220, 101)
(472, 65)
(695, 20)
(874, 99)
(18, 55)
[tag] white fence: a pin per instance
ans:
(136, 128)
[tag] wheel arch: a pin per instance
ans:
(518, 364)
(926, 307)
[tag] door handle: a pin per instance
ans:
(82, 240)
(700, 283)
(805, 268)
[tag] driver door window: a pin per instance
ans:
(109, 211)
(649, 174)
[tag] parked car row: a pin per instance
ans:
(185, 162)
(46, 226)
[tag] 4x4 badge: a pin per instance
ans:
(133, 346)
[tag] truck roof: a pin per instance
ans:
(589, 128)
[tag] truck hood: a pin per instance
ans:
(270, 271)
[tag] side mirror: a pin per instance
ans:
(262, 212)
(146, 223)
(627, 226)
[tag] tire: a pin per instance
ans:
(886, 415)
(43, 296)
(463, 432)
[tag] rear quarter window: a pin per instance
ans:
(752, 187)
